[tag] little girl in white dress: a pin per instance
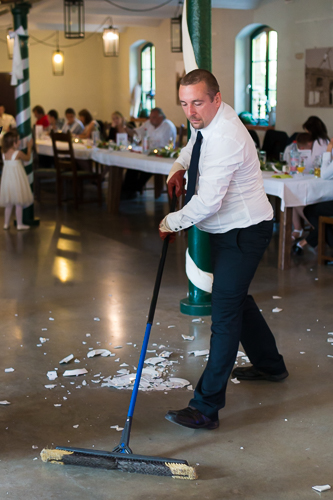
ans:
(14, 188)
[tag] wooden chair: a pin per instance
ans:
(323, 220)
(67, 170)
(181, 135)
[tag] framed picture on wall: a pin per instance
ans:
(319, 78)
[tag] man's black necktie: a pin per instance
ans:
(193, 169)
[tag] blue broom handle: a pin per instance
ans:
(150, 316)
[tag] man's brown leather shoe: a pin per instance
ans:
(192, 418)
(251, 373)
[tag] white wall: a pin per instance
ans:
(103, 84)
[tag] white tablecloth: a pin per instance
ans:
(124, 159)
(81, 151)
(135, 161)
(299, 190)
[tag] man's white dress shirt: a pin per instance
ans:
(159, 136)
(230, 192)
(7, 121)
(76, 127)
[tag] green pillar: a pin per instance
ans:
(199, 20)
(22, 99)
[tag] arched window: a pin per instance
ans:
(263, 71)
(148, 77)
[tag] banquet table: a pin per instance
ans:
(296, 191)
(82, 150)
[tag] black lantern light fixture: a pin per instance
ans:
(74, 18)
(111, 42)
(58, 60)
(176, 34)
(10, 43)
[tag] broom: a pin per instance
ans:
(121, 457)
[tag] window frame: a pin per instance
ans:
(152, 75)
(254, 35)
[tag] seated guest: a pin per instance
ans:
(118, 126)
(53, 120)
(41, 117)
(159, 130)
(313, 212)
(160, 133)
(72, 124)
(318, 130)
(89, 124)
(7, 122)
(304, 143)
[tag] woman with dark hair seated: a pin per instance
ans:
(89, 124)
(318, 131)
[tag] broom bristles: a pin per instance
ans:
(124, 463)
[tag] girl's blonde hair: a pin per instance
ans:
(9, 140)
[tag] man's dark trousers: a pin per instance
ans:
(235, 316)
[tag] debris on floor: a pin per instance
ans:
(52, 375)
(75, 373)
(188, 337)
(9, 370)
(117, 428)
(4, 402)
(204, 352)
(99, 352)
(67, 359)
(276, 310)
(325, 487)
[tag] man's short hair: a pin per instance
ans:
(39, 109)
(304, 138)
(202, 75)
(69, 111)
(53, 113)
(160, 112)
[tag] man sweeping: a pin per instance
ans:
(226, 198)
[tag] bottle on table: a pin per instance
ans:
(145, 142)
(294, 157)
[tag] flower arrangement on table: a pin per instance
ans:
(103, 145)
(166, 152)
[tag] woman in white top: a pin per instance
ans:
(89, 124)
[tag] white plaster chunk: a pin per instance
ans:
(52, 375)
(276, 310)
(324, 487)
(204, 352)
(99, 352)
(67, 359)
(235, 381)
(4, 402)
(75, 373)
(188, 337)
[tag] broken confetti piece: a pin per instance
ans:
(57, 404)
(172, 326)
(97, 319)
(51, 319)
(9, 370)
(50, 386)
(196, 320)
(99, 352)
(204, 352)
(188, 337)
(117, 428)
(52, 375)
(276, 297)
(240, 353)
(43, 340)
(124, 364)
(235, 381)
(67, 359)
(276, 310)
(4, 402)
(75, 373)
(34, 447)
(76, 426)
(88, 334)
(165, 354)
(324, 487)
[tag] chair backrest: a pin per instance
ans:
(181, 134)
(255, 137)
(64, 159)
(275, 142)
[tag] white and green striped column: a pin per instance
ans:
(22, 99)
(197, 52)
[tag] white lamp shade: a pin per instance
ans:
(58, 63)
(111, 42)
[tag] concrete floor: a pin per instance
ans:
(274, 440)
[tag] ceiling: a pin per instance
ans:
(48, 14)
